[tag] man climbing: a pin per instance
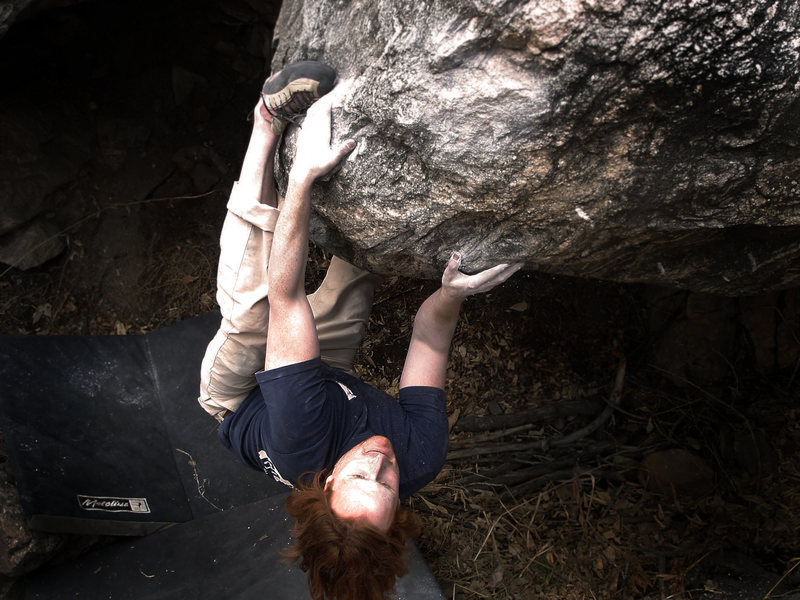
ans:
(350, 451)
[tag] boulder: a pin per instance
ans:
(38, 156)
(31, 244)
(677, 472)
(617, 139)
(21, 549)
(8, 13)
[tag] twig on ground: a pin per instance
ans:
(201, 487)
(784, 576)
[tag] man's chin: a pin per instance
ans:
(378, 443)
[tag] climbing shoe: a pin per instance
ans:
(287, 94)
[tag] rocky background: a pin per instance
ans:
(619, 142)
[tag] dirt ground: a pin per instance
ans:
(558, 498)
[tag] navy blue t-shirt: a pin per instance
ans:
(304, 416)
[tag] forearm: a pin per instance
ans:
(290, 243)
(428, 351)
(436, 320)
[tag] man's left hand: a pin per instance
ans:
(460, 285)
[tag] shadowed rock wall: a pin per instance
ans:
(618, 139)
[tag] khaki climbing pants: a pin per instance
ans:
(341, 308)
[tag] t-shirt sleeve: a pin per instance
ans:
(300, 416)
(428, 440)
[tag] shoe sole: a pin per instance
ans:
(282, 97)
(286, 86)
(306, 70)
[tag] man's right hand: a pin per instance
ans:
(315, 156)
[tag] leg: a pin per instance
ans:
(341, 307)
(237, 350)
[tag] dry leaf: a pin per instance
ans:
(43, 310)
(497, 576)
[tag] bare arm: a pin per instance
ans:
(292, 334)
(435, 323)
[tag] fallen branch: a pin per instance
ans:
(492, 449)
(613, 403)
(517, 469)
(539, 483)
(488, 436)
(587, 407)
(514, 476)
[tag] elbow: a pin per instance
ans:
(281, 294)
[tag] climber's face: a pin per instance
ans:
(365, 483)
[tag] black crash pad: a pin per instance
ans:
(234, 554)
(105, 434)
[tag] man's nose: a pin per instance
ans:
(375, 458)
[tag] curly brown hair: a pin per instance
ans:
(344, 558)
